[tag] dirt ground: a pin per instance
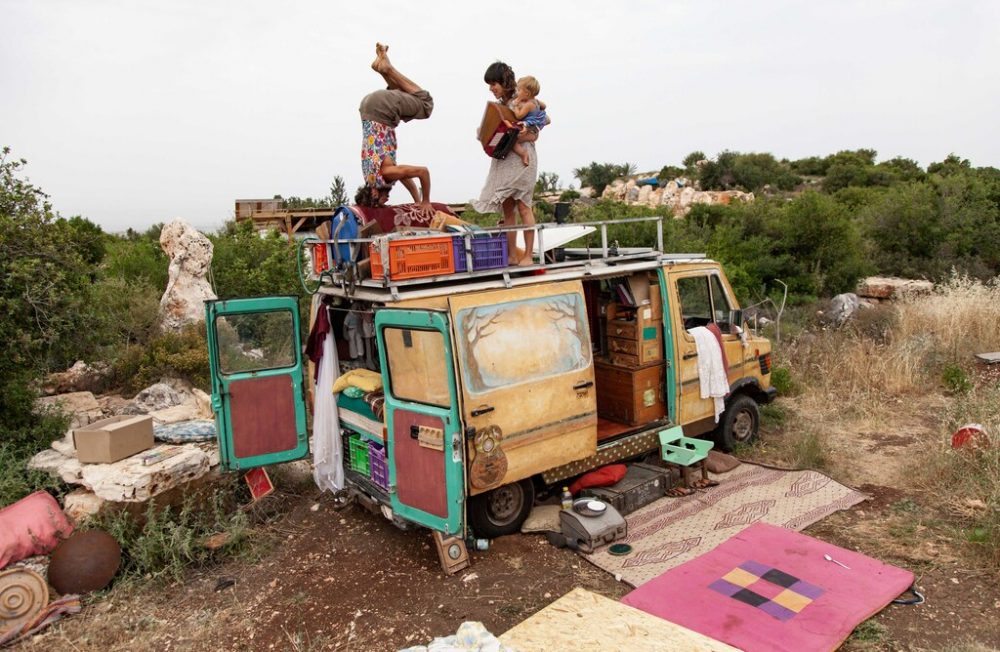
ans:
(352, 581)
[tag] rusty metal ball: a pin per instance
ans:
(87, 561)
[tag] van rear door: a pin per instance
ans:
(255, 361)
(527, 380)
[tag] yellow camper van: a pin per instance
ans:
(495, 382)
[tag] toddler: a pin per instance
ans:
(529, 110)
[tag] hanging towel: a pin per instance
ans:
(328, 456)
(712, 375)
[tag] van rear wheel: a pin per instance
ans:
(501, 511)
(740, 423)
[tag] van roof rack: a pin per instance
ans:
(609, 259)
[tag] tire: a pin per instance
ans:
(740, 423)
(501, 511)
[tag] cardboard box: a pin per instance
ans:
(495, 123)
(113, 439)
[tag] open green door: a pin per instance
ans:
(425, 446)
(255, 358)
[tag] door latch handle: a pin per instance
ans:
(583, 384)
(481, 410)
(688, 356)
(414, 432)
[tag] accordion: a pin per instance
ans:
(498, 131)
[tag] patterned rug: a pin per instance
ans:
(671, 531)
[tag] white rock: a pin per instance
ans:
(190, 255)
(65, 467)
(843, 307)
(66, 445)
(655, 198)
(129, 480)
(81, 406)
(184, 412)
(887, 287)
(644, 193)
(154, 397)
(80, 504)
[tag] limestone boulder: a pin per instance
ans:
(843, 307)
(655, 198)
(81, 504)
(81, 407)
(887, 287)
(190, 255)
(644, 193)
(155, 397)
(81, 377)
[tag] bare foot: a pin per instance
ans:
(525, 159)
(381, 63)
(526, 261)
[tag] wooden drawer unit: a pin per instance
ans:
(630, 395)
(626, 352)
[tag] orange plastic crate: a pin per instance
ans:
(413, 257)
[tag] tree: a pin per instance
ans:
(338, 192)
(691, 160)
(43, 292)
(599, 175)
(547, 182)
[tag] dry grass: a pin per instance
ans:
(901, 371)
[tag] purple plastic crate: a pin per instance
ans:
(378, 465)
(488, 251)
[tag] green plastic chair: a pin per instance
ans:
(685, 452)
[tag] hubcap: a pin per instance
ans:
(743, 425)
(505, 504)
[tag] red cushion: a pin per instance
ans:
(602, 477)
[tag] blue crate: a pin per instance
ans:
(488, 251)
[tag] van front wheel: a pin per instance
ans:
(501, 511)
(740, 423)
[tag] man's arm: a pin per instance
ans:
(395, 172)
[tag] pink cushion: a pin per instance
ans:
(31, 526)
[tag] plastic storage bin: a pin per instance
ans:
(488, 252)
(377, 463)
(413, 257)
(357, 447)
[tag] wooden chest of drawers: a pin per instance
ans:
(630, 395)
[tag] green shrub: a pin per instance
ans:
(781, 380)
(183, 355)
(955, 379)
(165, 541)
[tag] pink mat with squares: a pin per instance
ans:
(768, 588)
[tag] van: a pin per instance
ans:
(495, 383)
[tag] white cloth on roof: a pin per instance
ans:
(712, 375)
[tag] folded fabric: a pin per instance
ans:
(64, 606)
(712, 377)
(183, 432)
(364, 379)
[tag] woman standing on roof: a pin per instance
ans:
(510, 183)
(381, 113)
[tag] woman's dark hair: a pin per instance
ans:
(364, 197)
(500, 73)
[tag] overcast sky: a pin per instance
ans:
(133, 112)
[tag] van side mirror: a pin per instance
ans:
(734, 320)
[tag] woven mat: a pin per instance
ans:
(671, 531)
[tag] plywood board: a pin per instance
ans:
(583, 621)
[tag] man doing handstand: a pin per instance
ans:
(381, 112)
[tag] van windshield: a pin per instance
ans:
(522, 341)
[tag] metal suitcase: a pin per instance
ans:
(587, 533)
(642, 484)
